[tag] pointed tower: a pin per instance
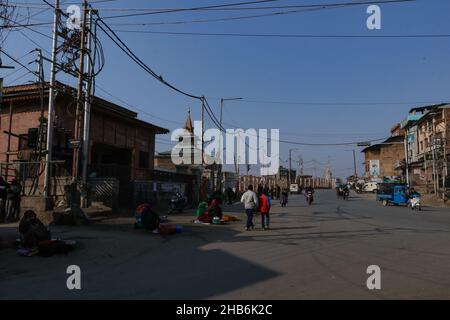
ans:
(189, 139)
(188, 126)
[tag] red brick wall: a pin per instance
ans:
(24, 117)
(105, 129)
(389, 156)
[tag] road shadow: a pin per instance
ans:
(292, 228)
(134, 264)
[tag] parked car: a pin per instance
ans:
(370, 187)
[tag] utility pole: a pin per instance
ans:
(41, 79)
(433, 146)
(8, 147)
(355, 174)
(87, 102)
(407, 160)
(203, 128)
(446, 132)
(290, 167)
(219, 170)
(238, 161)
(301, 165)
(51, 101)
(81, 75)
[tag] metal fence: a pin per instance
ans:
(31, 175)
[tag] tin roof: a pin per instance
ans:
(27, 92)
(389, 141)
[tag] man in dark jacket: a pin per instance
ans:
(3, 195)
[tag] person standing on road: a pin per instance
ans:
(264, 209)
(3, 196)
(13, 201)
(230, 195)
(250, 201)
(284, 197)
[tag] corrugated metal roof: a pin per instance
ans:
(27, 92)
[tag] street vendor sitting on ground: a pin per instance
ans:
(32, 230)
(212, 211)
(147, 218)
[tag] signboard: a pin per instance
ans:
(374, 168)
(74, 144)
(411, 138)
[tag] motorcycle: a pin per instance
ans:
(359, 189)
(309, 198)
(415, 203)
(178, 202)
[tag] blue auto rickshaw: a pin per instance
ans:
(396, 194)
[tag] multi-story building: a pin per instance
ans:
(428, 147)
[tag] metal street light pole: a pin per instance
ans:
(219, 167)
(290, 165)
(355, 173)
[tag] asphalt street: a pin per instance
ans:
(316, 252)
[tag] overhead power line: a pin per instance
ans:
(121, 44)
(136, 108)
(342, 103)
(297, 9)
(236, 8)
(189, 9)
(231, 5)
(18, 25)
(16, 61)
(268, 35)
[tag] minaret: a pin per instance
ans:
(188, 126)
(189, 135)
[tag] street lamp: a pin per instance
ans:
(290, 164)
(219, 169)
(354, 163)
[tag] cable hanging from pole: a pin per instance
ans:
(123, 46)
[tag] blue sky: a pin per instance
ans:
(337, 80)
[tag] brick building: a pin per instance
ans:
(386, 160)
(428, 147)
(120, 146)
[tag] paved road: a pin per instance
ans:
(317, 252)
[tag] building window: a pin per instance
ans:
(144, 160)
